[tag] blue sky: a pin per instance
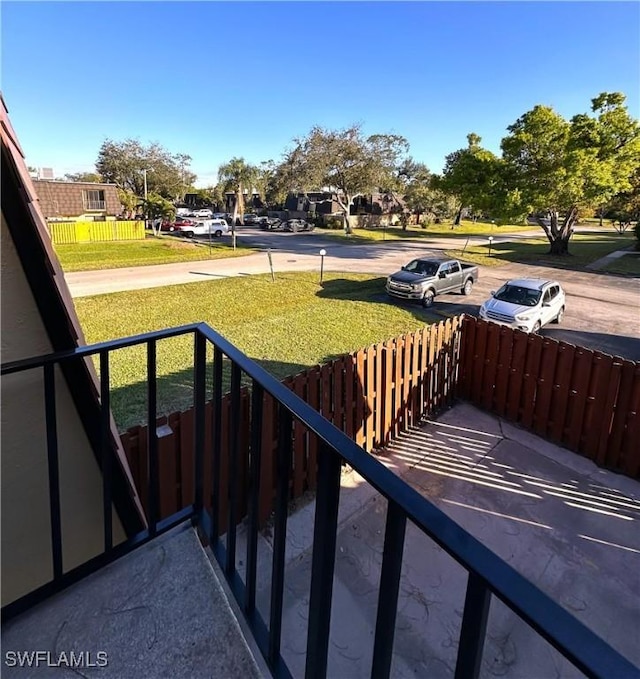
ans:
(223, 79)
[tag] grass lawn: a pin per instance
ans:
(152, 250)
(583, 249)
(286, 325)
(628, 264)
(466, 228)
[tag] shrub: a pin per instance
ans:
(333, 223)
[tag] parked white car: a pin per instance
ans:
(215, 227)
(526, 304)
(205, 213)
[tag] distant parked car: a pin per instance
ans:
(205, 213)
(296, 225)
(269, 223)
(173, 226)
(250, 218)
(526, 304)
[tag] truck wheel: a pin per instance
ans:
(427, 300)
(188, 234)
(468, 287)
(218, 233)
(560, 316)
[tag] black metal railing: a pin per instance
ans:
(488, 575)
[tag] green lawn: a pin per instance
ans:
(466, 228)
(628, 264)
(152, 250)
(286, 325)
(583, 249)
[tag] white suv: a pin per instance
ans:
(215, 227)
(526, 304)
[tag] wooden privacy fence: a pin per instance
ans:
(584, 400)
(372, 395)
(581, 399)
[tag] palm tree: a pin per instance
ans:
(237, 176)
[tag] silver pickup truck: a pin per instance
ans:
(423, 279)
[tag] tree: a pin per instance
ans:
(557, 169)
(624, 207)
(237, 176)
(83, 177)
(345, 162)
(122, 163)
(129, 202)
(472, 176)
(419, 195)
(157, 209)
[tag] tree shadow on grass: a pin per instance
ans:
(582, 252)
(373, 290)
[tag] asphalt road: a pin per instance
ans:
(603, 311)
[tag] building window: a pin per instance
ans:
(93, 200)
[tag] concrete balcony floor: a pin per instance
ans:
(157, 612)
(569, 527)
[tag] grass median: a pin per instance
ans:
(286, 325)
(445, 230)
(152, 250)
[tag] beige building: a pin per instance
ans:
(87, 201)
(37, 318)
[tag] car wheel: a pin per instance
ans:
(536, 327)
(172, 228)
(560, 316)
(188, 234)
(218, 234)
(468, 287)
(427, 300)
(295, 228)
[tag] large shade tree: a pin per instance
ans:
(344, 161)
(558, 169)
(124, 162)
(471, 176)
(239, 177)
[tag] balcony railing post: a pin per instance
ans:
(217, 445)
(152, 438)
(284, 456)
(474, 626)
(255, 461)
(199, 395)
(323, 564)
(105, 442)
(388, 593)
(234, 453)
(54, 471)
